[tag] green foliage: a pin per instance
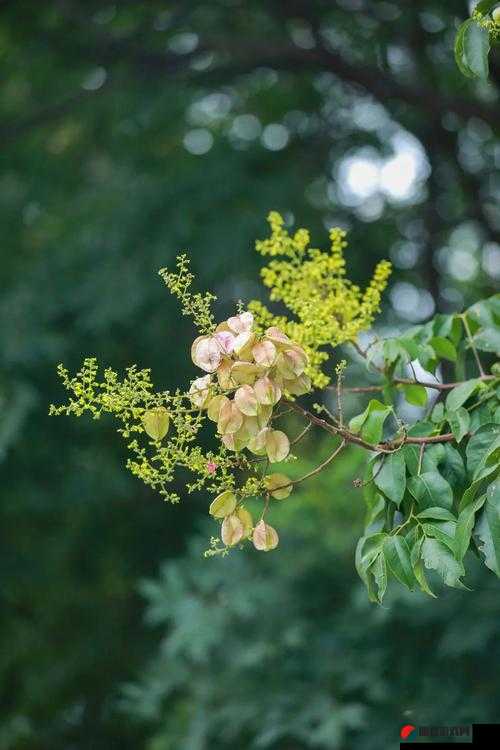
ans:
(474, 39)
(430, 483)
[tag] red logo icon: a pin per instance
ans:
(406, 731)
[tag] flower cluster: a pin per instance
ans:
(247, 376)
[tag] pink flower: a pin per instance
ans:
(211, 467)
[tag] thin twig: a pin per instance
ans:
(301, 434)
(322, 465)
(408, 381)
(315, 471)
(472, 345)
(420, 458)
(386, 447)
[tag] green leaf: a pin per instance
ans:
(452, 468)
(488, 529)
(440, 532)
(418, 567)
(391, 478)
(375, 501)
(438, 557)
(437, 414)
(447, 326)
(459, 49)
(484, 6)
(461, 393)
(480, 447)
(471, 492)
(465, 525)
(410, 346)
(438, 514)
(444, 348)
(421, 429)
(367, 550)
(431, 490)
(415, 394)
(459, 421)
(427, 358)
(371, 422)
(379, 570)
(393, 351)
(397, 555)
(476, 46)
(487, 340)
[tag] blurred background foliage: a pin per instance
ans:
(134, 130)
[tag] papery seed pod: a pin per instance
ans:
(230, 418)
(156, 422)
(206, 353)
(264, 353)
(247, 431)
(226, 341)
(243, 346)
(244, 372)
(223, 505)
(284, 366)
(267, 392)
(265, 537)
(224, 374)
(241, 323)
(215, 405)
(277, 337)
(246, 400)
(230, 442)
(199, 392)
(291, 363)
(232, 530)
(299, 386)
(233, 442)
(279, 486)
(257, 444)
(277, 446)
(264, 415)
(246, 519)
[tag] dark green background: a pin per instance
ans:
(97, 191)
